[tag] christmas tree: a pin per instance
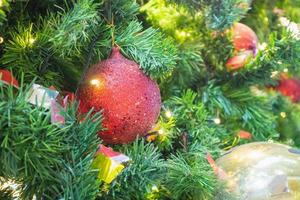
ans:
(149, 99)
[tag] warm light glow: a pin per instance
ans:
(262, 46)
(168, 114)
(95, 82)
(1, 38)
(154, 188)
(1, 3)
(257, 91)
(274, 74)
(31, 40)
(217, 121)
(285, 70)
(283, 114)
(161, 131)
(182, 35)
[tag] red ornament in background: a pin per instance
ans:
(245, 135)
(290, 87)
(244, 38)
(130, 100)
(245, 44)
(8, 78)
(239, 60)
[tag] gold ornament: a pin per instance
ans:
(262, 171)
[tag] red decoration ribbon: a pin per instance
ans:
(7, 77)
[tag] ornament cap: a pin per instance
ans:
(115, 52)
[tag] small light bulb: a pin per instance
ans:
(95, 82)
(266, 19)
(161, 131)
(274, 74)
(1, 38)
(168, 114)
(154, 188)
(31, 40)
(262, 46)
(283, 114)
(217, 121)
(182, 33)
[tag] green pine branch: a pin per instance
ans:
(155, 53)
(243, 108)
(194, 119)
(40, 50)
(288, 118)
(191, 4)
(65, 43)
(291, 9)
(72, 29)
(145, 170)
(189, 176)
(77, 179)
(116, 12)
(219, 14)
(4, 7)
(50, 162)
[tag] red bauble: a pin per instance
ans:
(130, 100)
(290, 88)
(245, 44)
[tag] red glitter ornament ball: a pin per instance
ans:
(290, 87)
(129, 99)
(245, 44)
